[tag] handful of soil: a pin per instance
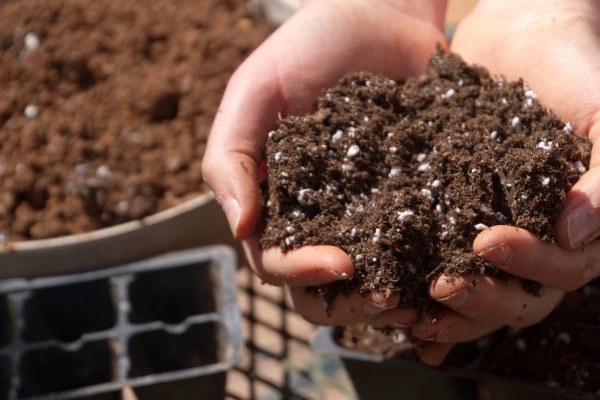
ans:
(403, 176)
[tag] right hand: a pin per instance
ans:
(322, 42)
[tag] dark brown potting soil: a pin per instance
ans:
(399, 344)
(561, 352)
(403, 176)
(105, 106)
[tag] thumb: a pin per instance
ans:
(235, 183)
(247, 113)
(579, 220)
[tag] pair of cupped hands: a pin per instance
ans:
(553, 45)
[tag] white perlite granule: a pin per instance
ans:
(337, 136)
(353, 151)
(402, 215)
(31, 111)
(516, 123)
(302, 194)
(32, 42)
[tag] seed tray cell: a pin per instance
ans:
(161, 326)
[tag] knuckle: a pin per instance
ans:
(310, 307)
(265, 277)
(489, 309)
(590, 270)
(571, 285)
(531, 270)
(308, 314)
(520, 322)
(208, 168)
(302, 312)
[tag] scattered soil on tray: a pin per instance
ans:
(105, 106)
(568, 347)
(403, 176)
(398, 343)
(567, 341)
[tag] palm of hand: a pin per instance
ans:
(314, 49)
(555, 50)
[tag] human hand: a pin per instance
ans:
(554, 46)
(323, 41)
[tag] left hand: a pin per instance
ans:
(555, 47)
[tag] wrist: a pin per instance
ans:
(430, 11)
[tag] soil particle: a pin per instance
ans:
(106, 106)
(400, 344)
(404, 175)
(567, 341)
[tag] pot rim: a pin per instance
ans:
(103, 233)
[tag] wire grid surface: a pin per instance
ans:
(277, 362)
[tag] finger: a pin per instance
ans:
(492, 301)
(434, 353)
(306, 266)
(520, 253)
(579, 220)
(279, 78)
(451, 327)
(352, 309)
(128, 394)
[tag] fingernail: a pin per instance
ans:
(582, 226)
(232, 211)
(457, 299)
(497, 254)
(399, 325)
(375, 308)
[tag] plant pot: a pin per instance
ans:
(168, 327)
(195, 223)
(198, 222)
(374, 377)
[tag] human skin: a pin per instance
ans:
(555, 47)
(550, 44)
(322, 42)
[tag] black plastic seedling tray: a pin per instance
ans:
(169, 327)
(374, 377)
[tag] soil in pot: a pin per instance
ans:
(404, 175)
(567, 346)
(106, 106)
(566, 341)
(398, 344)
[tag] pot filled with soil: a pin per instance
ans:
(104, 115)
(403, 176)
